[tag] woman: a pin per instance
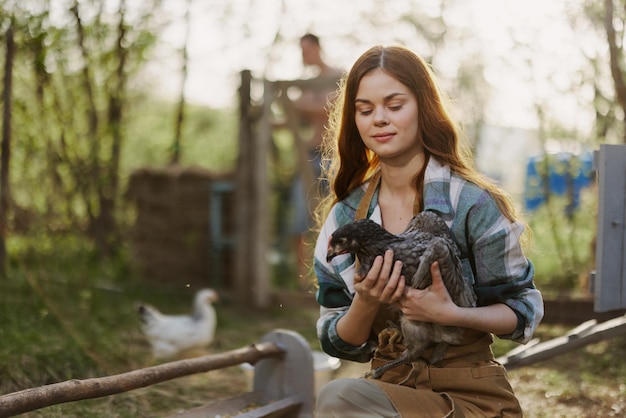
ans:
(396, 152)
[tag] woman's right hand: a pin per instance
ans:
(384, 283)
(381, 285)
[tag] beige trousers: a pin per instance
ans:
(363, 398)
(467, 383)
(353, 398)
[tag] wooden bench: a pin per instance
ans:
(283, 387)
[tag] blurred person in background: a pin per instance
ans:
(312, 108)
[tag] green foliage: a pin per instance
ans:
(70, 97)
(562, 247)
(209, 138)
(80, 127)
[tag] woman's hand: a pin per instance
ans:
(432, 304)
(383, 283)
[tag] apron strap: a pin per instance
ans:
(364, 204)
(366, 200)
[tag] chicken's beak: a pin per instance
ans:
(331, 254)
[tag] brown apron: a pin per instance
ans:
(468, 382)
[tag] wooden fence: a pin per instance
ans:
(283, 382)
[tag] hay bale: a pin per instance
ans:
(171, 237)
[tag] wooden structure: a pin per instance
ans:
(283, 387)
(257, 120)
(283, 382)
(610, 276)
(588, 332)
(251, 196)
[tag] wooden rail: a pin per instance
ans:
(283, 382)
(586, 333)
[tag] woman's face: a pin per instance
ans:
(386, 116)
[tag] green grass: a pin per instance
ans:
(66, 315)
(561, 247)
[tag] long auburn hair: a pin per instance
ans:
(350, 163)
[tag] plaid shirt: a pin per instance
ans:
(492, 258)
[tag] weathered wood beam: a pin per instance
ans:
(587, 333)
(75, 389)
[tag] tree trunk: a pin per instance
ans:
(104, 181)
(617, 57)
(5, 191)
(180, 115)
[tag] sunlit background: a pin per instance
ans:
(121, 118)
(530, 52)
(502, 62)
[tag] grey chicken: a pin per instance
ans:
(427, 239)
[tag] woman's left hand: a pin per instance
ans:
(432, 304)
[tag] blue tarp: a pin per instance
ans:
(568, 174)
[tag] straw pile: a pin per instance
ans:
(171, 237)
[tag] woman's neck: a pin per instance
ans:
(397, 195)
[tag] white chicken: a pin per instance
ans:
(171, 335)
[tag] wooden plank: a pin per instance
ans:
(259, 231)
(585, 334)
(246, 405)
(610, 283)
(575, 311)
(223, 407)
(288, 407)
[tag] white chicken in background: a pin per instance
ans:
(171, 335)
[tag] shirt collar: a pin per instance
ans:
(437, 187)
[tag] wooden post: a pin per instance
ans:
(243, 195)
(260, 213)
(610, 280)
(252, 284)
